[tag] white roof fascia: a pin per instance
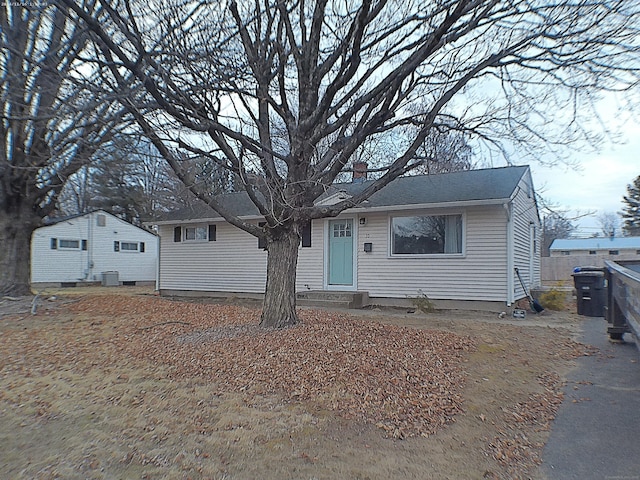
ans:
(359, 209)
(202, 220)
(427, 206)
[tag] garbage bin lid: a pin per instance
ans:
(588, 274)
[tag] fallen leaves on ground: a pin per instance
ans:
(406, 381)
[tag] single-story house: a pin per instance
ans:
(455, 237)
(81, 248)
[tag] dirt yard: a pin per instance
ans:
(119, 383)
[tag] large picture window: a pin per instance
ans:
(426, 235)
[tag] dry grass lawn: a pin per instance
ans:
(119, 383)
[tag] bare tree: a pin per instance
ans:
(289, 91)
(609, 223)
(51, 122)
(555, 225)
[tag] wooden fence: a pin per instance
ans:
(559, 269)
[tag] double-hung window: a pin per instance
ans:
(195, 233)
(426, 235)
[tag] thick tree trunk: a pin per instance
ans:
(16, 227)
(279, 307)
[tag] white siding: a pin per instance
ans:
(526, 221)
(232, 263)
(478, 275)
(77, 265)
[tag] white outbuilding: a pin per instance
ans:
(93, 247)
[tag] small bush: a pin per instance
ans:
(553, 299)
(423, 303)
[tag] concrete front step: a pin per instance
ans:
(337, 299)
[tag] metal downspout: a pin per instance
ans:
(508, 208)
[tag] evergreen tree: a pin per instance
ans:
(631, 211)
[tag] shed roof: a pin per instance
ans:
(598, 243)
(489, 184)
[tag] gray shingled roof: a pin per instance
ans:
(467, 186)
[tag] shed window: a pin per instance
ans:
(129, 246)
(426, 235)
(614, 252)
(71, 244)
(592, 252)
(565, 252)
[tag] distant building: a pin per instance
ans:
(617, 248)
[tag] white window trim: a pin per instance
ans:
(195, 240)
(60, 247)
(423, 213)
(123, 250)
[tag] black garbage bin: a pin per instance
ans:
(590, 292)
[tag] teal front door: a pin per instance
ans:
(341, 252)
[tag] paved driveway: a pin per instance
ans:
(596, 434)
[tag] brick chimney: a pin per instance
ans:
(359, 172)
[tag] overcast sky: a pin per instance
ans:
(599, 183)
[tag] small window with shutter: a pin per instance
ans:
(306, 234)
(262, 242)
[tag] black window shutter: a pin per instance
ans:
(262, 242)
(54, 244)
(177, 234)
(306, 234)
(116, 246)
(141, 247)
(84, 244)
(212, 233)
